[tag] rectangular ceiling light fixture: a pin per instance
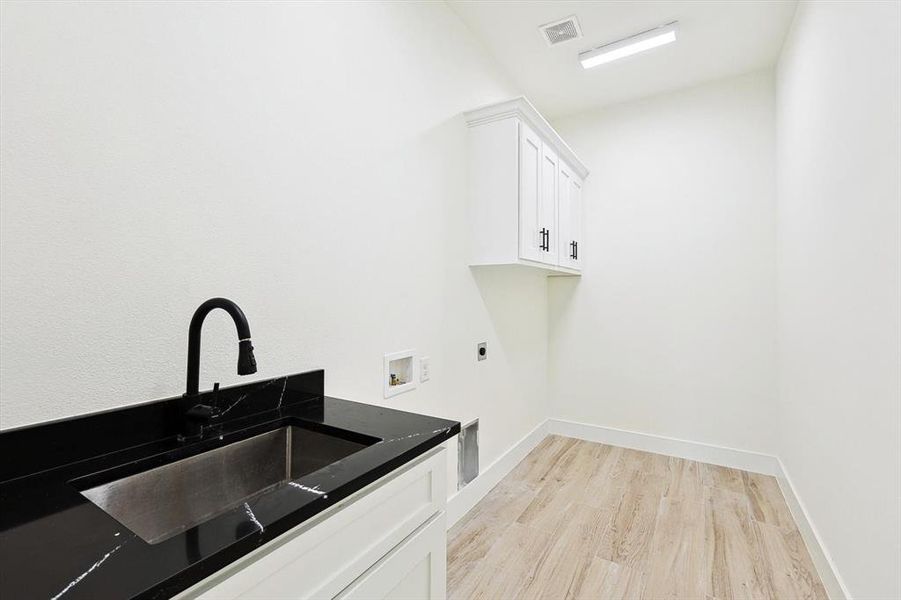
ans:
(629, 46)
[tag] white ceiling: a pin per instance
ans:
(717, 38)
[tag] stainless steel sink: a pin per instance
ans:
(161, 502)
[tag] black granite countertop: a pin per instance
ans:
(55, 543)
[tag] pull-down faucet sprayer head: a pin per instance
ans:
(247, 363)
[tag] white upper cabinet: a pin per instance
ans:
(525, 190)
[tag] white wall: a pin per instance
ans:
(671, 329)
(839, 121)
(155, 155)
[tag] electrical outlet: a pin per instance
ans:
(424, 372)
(483, 350)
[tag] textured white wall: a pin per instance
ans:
(155, 155)
(839, 122)
(671, 329)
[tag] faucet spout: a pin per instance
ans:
(247, 364)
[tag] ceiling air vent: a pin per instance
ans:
(561, 31)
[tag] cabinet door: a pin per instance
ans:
(531, 240)
(570, 217)
(547, 214)
(415, 570)
(575, 219)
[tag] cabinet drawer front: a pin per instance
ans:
(320, 561)
(415, 570)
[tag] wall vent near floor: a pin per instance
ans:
(468, 453)
(561, 31)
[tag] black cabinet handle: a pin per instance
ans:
(575, 250)
(543, 245)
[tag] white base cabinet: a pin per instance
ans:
(525, 190)
(386, 541)
(414, 570)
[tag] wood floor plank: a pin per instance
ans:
(514, 559)
(580, 520)
(628, 538)
(790, 569)
(544, 461)
(589, 459)
(470, 540)
(649, 462)
(767, 502)
(723, 477)
(736, 569)
(607, 580)
(676, 563)
(683, 480)
(609, 481)
(570, 554)
(560, 491)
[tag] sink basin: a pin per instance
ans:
(161, 502)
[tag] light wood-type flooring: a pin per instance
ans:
(577, 519)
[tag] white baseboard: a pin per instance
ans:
(708, 453)
(460, 503)
(822, 560)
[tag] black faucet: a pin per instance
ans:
(200, 414)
